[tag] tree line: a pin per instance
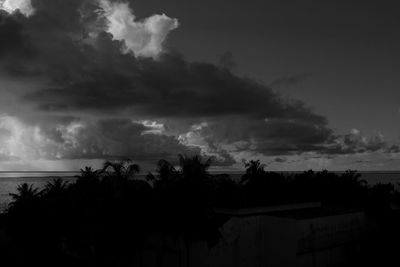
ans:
(107, 214)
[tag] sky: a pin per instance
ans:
(296, 84)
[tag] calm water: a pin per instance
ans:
(10, 180)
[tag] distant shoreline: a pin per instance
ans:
(39, 171)
(222, 171)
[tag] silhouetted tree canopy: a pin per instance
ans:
(107, 214)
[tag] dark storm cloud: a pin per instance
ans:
(17, 42)
(277, 136)
(169, 87)
(291, 137)
(98, 77)
(394, 149)
(280, 160)
(86, 73)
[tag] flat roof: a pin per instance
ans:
(266, 210)
(309, 213)
(300, 211)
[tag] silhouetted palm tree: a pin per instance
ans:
(25, 192)
(55, 187)
(88, 173)
(193, 168)
(166, 171)
(124, 169)
(254, 168)
(196, 212)
(353, 178)
(184, 194)
(88, 177)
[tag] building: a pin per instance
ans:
(289, 235)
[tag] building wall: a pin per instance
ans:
(329, 241)
(264, 241)
(252, 241)
(273, 241)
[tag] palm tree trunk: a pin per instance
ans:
(187, 243)
(160, 256)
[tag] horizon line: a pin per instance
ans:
(213, 171)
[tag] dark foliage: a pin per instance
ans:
(104, 218)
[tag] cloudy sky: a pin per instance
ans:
(299, 85)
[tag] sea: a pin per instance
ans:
(9, 181)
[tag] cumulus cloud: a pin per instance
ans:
(23, 6)
(82, 95)
(83, 73)
(196, 137)
(83, 139)
(355, 142)
(142, 38)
